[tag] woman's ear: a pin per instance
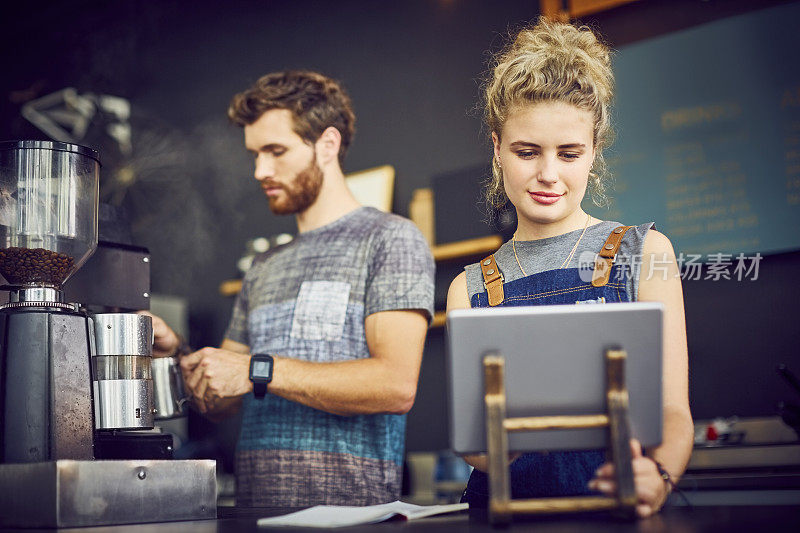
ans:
(496, 143)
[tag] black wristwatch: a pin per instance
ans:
(260, 373)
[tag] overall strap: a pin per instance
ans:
(492, 280)
(608, 254)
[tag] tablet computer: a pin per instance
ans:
(554, 365)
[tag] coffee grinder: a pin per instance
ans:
(76, 388)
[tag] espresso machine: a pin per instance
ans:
(77, 446)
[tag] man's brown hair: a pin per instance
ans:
(315, 101)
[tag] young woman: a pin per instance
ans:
(547, 107)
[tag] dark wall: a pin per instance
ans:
(413, 69)
(738, 333)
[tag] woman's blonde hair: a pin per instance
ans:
(552, 61)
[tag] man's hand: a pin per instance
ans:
(214, 374)
(651, 489)
(165, 341)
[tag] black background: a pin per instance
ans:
(413, 69)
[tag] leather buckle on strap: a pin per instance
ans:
(604, 260)
(492, 281)
(486, 284)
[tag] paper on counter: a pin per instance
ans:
(342, 515)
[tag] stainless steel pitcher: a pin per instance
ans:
(170, 394)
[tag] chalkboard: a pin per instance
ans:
(708, 135)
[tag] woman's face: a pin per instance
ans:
(546, 152)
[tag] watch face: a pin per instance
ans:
(261, 369)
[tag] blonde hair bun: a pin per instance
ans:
(553, 61)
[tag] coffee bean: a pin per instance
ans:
(34, 265)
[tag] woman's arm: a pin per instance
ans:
(458, 298)
(660, 282)
(665, 287)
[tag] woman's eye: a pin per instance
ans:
(526, 154)
(570, 156)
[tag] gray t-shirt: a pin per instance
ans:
(308, 300)
(548, 254)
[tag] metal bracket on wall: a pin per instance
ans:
(565, 10)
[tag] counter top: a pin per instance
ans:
(683, 519)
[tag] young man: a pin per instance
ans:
(323, 351)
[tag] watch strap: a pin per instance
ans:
(259, 389)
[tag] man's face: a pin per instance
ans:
(286, 166)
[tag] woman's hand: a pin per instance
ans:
(651, 489)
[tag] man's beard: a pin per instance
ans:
(300, 193)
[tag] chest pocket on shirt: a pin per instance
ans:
(320, 310)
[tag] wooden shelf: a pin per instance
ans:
(441, 252)
(467, 248)
(439, 319)
(230, 287)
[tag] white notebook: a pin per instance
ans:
(342, 516)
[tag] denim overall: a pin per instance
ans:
(559, 473)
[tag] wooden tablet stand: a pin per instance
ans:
(501, 506)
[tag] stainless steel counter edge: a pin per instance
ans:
(68, 493)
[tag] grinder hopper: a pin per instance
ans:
(48, 212)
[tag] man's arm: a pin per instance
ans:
(384, 382)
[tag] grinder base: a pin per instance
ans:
(66, 493)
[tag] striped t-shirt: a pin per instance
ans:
(308, 300)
